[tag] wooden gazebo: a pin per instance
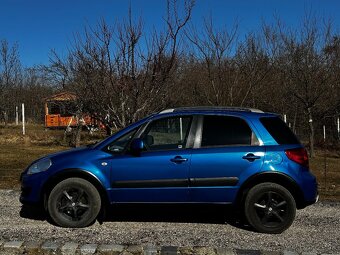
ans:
(60, 110)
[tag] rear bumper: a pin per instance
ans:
(308, 203)
(309, 188)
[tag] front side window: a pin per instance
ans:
(226, 131)
(167, 134)
(119, 144)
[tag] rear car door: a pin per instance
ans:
(160, 172)
(226, 150)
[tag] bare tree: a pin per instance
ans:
(212, 51)
(118, 78)
(332, 106)
(306, 69)
(120, 73)
(10, 71)
(254, 65)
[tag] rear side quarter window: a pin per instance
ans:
(278, 129)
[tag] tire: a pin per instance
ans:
(270, 208)
(74, 203)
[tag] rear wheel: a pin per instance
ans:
(74, 203)
(270, 208)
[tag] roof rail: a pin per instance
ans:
(167, 110)
(211, 108)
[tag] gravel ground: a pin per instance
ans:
(316, 228)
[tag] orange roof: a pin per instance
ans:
(63, 96)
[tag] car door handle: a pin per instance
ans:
(251, 157)
(178, 159)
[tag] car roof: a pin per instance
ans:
(215, 109)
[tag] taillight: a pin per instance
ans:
(298, 155)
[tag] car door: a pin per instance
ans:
(225, 151)
(160, 172)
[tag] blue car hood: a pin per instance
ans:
(71, 152)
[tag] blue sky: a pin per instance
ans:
(40, 25)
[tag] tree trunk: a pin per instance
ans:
(77, 134)
(5, 117)
(311, 133)
(108, 130)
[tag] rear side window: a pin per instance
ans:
(226, 131)
(279, 130)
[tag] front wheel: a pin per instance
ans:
(270, 208)
(74, 203)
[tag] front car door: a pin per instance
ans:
(225, 151)
(160, 172)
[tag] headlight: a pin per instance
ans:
(39, 166)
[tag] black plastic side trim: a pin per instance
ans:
(218, 181)
(192, 182)
(151, 183)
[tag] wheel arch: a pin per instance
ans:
(278, 178)
(72, 173)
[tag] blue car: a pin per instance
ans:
(238, 156)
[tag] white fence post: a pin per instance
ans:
(338, 127)
(16, 116)
(23, 118)
(324, 133)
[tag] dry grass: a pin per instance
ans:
(35, 134)
(14, 158)
(331, 178)
(16, 152)
(38, 135)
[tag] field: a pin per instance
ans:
(16, 152)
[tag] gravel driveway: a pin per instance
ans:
(316, 228)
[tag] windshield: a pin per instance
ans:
(132, 126)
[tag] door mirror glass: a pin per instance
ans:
(137, 145)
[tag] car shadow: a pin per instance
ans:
(33, 213)
(205, 214)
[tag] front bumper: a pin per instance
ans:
(31, 188)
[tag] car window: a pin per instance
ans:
(167, 133)
(281, 133)
(226, 131)
(120, 143)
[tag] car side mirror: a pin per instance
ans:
(136, 146)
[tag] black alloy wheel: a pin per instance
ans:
(74, 203)
(270, 208)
